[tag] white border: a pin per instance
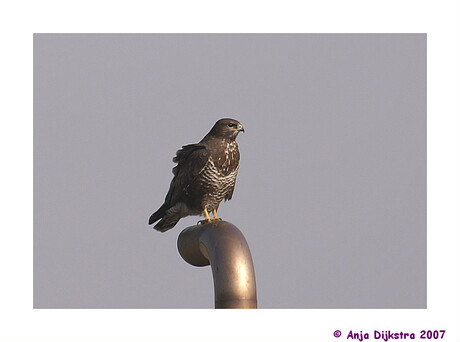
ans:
(19, 322)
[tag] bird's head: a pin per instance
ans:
(226, 129)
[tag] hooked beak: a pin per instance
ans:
(240, 128)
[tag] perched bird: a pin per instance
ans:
(205, 175)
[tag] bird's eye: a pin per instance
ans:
(231, 125)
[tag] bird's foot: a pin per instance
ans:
(214, 212)
(208, 220)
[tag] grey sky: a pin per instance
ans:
(331, 192)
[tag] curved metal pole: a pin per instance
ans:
(222, 245)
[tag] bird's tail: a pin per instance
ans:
(158, 214)
(167, 221)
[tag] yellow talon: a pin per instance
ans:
(208, 218)
(206, 214)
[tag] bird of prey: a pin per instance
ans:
(205, 175)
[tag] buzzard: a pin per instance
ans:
(205, 175)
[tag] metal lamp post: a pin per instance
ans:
(223, 246)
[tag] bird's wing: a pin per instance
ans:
(190, 159)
